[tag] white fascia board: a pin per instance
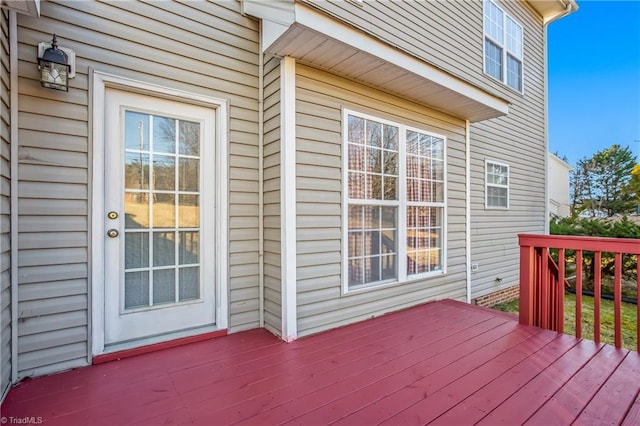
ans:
(560, 162)
(323, 24)
(277, 17)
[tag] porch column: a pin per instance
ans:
(288, 197)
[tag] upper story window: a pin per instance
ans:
(503, 52)
(497, 185)
(395, 202)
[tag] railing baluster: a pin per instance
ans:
(579, 294)
(617, 297)
(561, 275)
(537, 291)
(546, 308)
(597, 283)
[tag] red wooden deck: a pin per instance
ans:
(442, 363)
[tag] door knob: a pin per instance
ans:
(112, 233)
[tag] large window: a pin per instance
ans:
(395, 198)
(503, 53)
(497, 185)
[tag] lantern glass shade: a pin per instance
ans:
(54, 70)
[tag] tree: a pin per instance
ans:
(603, 183)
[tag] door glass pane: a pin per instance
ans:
(164, 211)
(189, 138)
(136, 170)
(164, 134)
(164, 173)
(189, 211)
(136, 210)
(189, 283)
(164, 288)
(164, 248)
(188, 177)
(136, 131)
(136, 289)
(137, 249)
(188, 247)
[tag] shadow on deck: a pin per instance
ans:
(443, 363)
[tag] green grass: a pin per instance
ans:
(629, 323)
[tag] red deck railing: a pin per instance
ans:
(543, 282)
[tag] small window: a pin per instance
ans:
(503, 51)
(497, 186)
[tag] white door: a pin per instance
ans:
(159, 216)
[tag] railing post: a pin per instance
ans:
(526, 284)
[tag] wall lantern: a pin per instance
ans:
(56, 65)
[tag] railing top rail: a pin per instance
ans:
(574, 242)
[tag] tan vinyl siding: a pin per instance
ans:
(272, 239)
(207, 48)
(449, 35)
(519, 141)
(5, 205)
(321, 305)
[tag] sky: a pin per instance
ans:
(594, 79)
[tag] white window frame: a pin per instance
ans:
(503, 45)
(401, 203)
(494, 185)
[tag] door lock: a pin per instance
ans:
(112, 215)
(112, 233)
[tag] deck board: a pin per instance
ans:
(399, 367)
(616, 396)
(451, 394)
(633, 415)
(477, 373)
(440, 363)
(414, 390)
(495, 393)
(565, 406)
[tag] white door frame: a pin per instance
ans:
(99, 83)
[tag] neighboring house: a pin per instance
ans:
(295, 165)
(558, 186)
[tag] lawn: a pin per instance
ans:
(629, 322)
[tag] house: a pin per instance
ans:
(559, 171)
(294, 165)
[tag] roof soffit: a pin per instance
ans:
(550, 10)
(26, 7)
